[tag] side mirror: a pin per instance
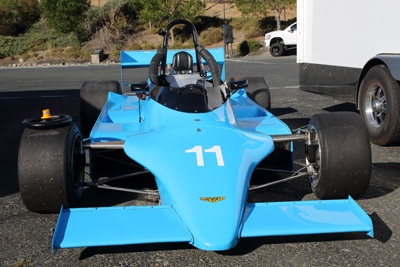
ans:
(236, 85)
(139, 87)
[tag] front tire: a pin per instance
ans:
(51, 168)
(93, 97)
(277, 50)
(339, 155)
(380, 106)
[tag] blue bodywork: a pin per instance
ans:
(202, 164)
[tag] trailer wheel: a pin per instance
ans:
(257, 90)
(338, 155)
(380, 105)
(276, 49)
(93, 97)
(51, 168)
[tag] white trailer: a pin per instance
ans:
(350, 49)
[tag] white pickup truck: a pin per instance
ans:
(280, 41)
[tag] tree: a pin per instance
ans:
(161, 12)
(16, 16)
(6, 21)
(65, 15)
(261, 7)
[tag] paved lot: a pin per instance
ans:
(25, 237)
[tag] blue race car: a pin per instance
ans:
(201, 138)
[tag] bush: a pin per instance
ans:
(134, 46)
(7, 46)
(252, 28)
(16, 16)
(25, 56)
(94, 20)
(6, 21)
(65, 16)
(203, 22)
(247, 47)
(268, 24)
(211, 36)
(238, 23)
(39, 37)
(254, 45)
(243, 48)
(73, 52)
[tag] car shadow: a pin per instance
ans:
(342, 107)
(283, 111)
(384, 180)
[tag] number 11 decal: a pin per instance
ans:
(199, 154)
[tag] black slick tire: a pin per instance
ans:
(93, 96)
(339, 155)
(276, 50)
(51, 168)
(257, 90)
(380, 105)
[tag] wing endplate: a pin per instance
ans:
(305, 217)
(85, 227)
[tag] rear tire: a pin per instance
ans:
(276, 50)
(93, 97)
(339, 154)
(258, 91)
(380, 106)
(51, 168)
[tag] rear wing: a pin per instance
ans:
(140, 59)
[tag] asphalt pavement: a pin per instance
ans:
(25, 237)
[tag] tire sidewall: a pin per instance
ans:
(345, 152)
(45, 173)
(73, 197)
(381, 75)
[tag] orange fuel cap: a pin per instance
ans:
(46, 114)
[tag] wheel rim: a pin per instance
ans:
(375, 105)
(275, 50)
(78, 167)
(54, 122)
(313, 156)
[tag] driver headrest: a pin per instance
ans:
(182, 62)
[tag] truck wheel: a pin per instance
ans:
(339, 155)
(380, 105)
(257, 90)
(51, 168)
(276, 50)
(93, 97)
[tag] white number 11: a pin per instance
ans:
(199, 154)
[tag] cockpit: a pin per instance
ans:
(183, 88)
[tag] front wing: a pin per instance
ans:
(84, 227)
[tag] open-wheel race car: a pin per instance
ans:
(201, 137)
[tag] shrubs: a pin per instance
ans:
(211, 36)
(17, 16)
(65, 16)
(247, 47)
(39, 37)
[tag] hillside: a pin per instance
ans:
(144, 39)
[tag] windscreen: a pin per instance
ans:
(191, 98)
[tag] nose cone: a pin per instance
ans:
(203, 171)
(215, 225)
